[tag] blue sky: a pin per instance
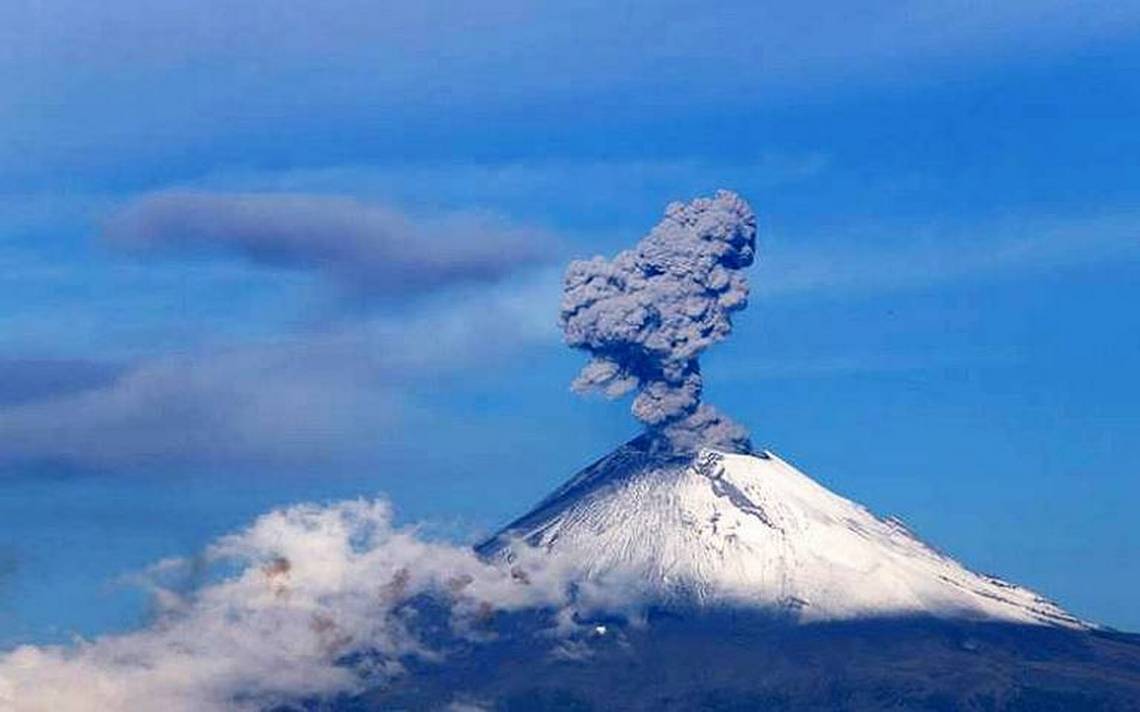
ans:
(942, 324)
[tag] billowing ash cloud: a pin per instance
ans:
(371, 249)
(646, 316)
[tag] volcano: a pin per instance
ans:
(722, 528)
(761, 590)
(692, 571)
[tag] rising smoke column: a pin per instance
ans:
(646, 316)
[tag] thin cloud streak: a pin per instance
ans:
(998, 250)
(537, 186)
(24, 380)
(814, 366)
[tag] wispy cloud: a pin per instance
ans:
(876, 260)
(371, 249)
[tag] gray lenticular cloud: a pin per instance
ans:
(646, 316)
(373, 250)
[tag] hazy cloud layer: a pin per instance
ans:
(273, 405)
(331, 395)
(432, 61)
(370, 249)
(646, 316)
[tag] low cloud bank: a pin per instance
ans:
(370, 249)
(308, 602)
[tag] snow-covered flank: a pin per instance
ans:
(753, 530)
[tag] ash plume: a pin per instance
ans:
(646, 316)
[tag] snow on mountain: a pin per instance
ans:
(740, 529)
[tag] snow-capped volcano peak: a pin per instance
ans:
(752, 530)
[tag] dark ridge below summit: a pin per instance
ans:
(727, 659)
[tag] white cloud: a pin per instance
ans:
(311, 585)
